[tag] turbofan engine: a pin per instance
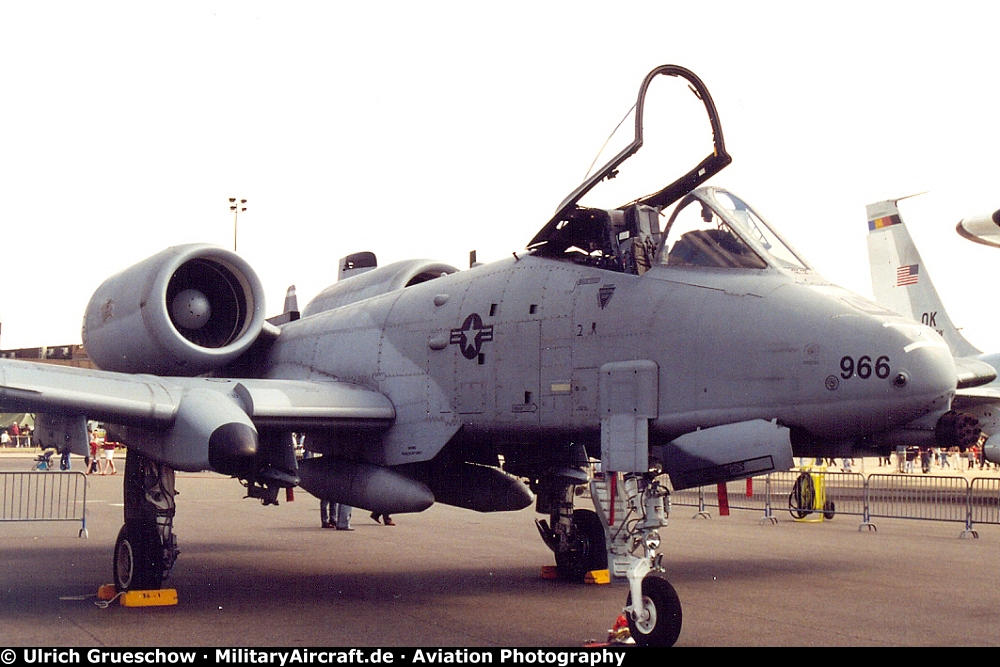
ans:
(184, 311)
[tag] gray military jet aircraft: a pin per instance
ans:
(706, 348)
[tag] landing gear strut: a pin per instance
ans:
(630, 510)
(637, 507)
(146, 546)
(576, 536)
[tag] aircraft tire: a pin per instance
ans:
(138, 557)
(592, 553)
(802, 497)
(138, 562)
(664, 624)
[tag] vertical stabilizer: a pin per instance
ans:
(901, 281)
(291, 300)
(290, 312)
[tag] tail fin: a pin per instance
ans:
(290, 313)
(291, 300)
(901, 281)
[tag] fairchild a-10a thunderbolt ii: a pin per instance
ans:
(695, 343)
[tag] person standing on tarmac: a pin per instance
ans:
(386, 519)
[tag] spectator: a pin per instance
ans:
(334, 515)
(108, 449)
(386, 519)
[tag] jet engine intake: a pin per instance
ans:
(184, 311)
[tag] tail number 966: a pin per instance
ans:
(864, 367)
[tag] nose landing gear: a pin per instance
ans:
(634, 507)
(630, 510)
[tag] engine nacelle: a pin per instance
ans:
(184, 311)
(377, 281)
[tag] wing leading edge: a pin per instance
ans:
(187, 413)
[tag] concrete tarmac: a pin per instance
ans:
(250, 575)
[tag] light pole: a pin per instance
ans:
(236, 208)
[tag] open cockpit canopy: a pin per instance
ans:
(709, 228)
(599, 232)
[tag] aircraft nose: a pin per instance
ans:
(926, 365)
(870, 371)
(910, 374)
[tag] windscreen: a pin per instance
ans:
(717, 229)
(699, 236)
(759, 231)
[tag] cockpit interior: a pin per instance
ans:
(709, 228)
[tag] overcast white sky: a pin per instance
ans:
(433, 128)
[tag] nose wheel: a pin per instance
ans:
(659, 621)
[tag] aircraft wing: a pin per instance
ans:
(976, 396)
(153, 401)
(973, 373)
(187, 413)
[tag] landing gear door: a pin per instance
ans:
(629, 398)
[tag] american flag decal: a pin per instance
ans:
(907, 275)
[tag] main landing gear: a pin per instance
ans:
(576, 536)
(146, 547)
(630, 510)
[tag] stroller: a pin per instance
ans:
(44, 460)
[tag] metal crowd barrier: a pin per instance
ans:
(20, 441)
(984, 500)
(895, 496)
(44, 496)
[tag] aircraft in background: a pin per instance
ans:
(984, 229)
(902, 283)
(705, 348)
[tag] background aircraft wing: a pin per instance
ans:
(153, 402)
(974, 373)
(976, 396)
